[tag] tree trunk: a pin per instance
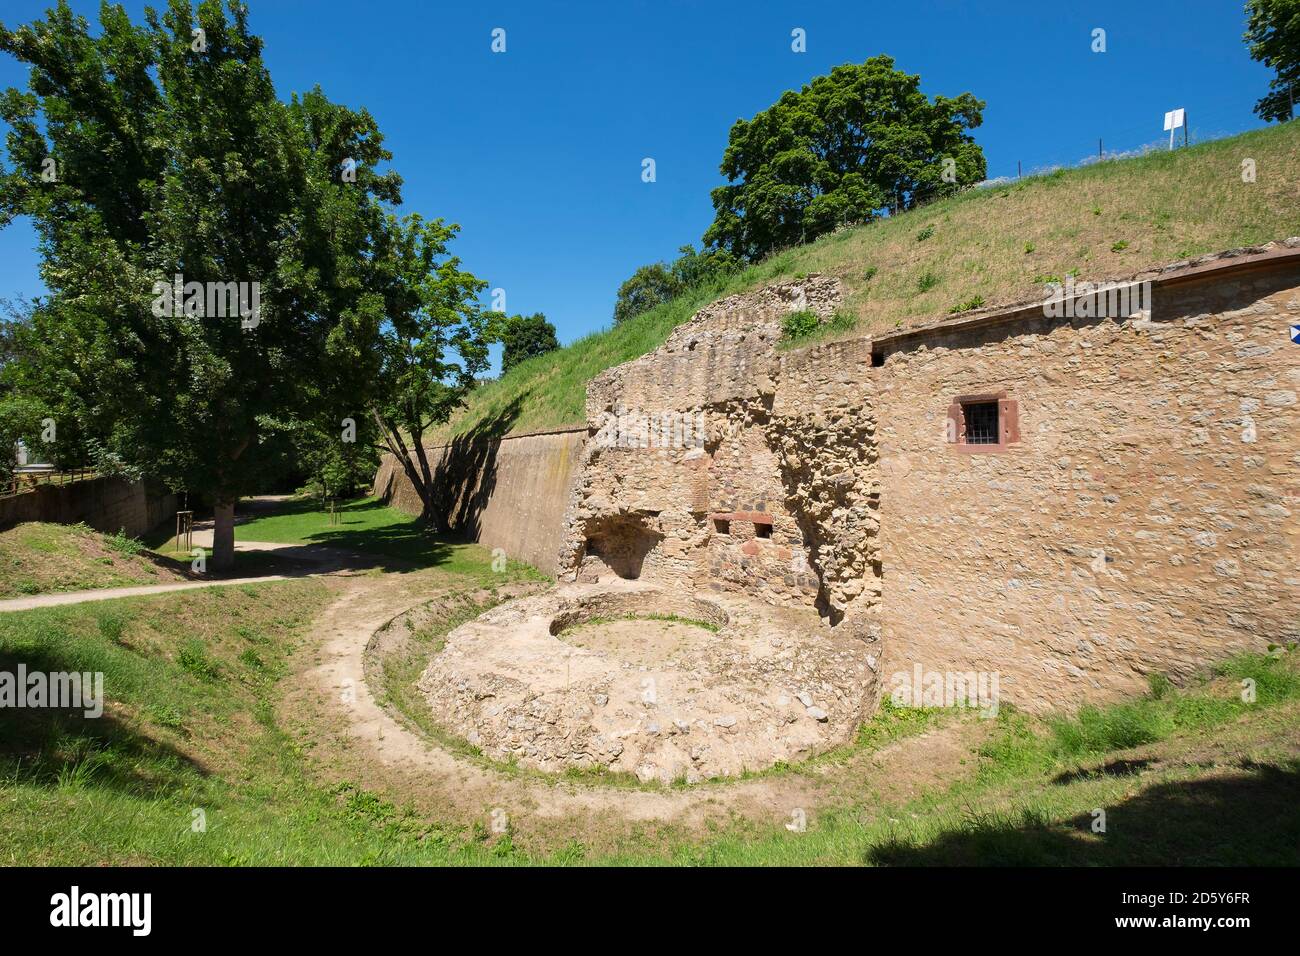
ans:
(223, 537)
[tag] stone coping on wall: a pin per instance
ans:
(509, 436)
(1217, 264)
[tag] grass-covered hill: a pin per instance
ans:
(41, 558)
(986, 247)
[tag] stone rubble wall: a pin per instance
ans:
(777, 501)
(108, 505)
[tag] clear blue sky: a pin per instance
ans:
(537, 152)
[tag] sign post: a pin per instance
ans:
(1173, 120)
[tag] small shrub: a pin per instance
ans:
(1029, 247)
(1119, 246)
(1159, 685)
(974, 302)
(926, 281)
(869, 273)
(842, 321)
(925, 233)
(123, 543)
(799, 325)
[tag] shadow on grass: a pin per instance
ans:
(1246, 818)
(60, 747)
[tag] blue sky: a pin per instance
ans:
(537, 152)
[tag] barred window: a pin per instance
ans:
(981, 422)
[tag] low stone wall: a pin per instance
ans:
(106, 504)
(507, 493)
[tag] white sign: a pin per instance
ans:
(1174, 119)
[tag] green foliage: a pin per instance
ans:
(1273, 34)
(124, 543)
(974, 302)
(844, 149)
(799, 325)
(194, 659)
(925, 233)
(525, 337)
(659, 283)
(1119, 246)
(926, 281)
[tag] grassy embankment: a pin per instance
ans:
(986, 247)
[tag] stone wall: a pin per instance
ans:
(1136, 513)
(774, 494)
(507, 493)
(106, 504)
(1145, 521)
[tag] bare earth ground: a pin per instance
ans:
(353, 738)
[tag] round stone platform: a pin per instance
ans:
(630, 677)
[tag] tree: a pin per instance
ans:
(692, 269)
(523, 337)
(1273, 32)
(425, 340)
(649, 286)
(848, 147)
(154, 152)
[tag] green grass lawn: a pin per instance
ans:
(995, 246)
(365, 525)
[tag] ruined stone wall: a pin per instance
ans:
(774, 497)
(1146, 520)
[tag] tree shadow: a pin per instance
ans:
(466, 473)
(60, 746)
(1245, 818)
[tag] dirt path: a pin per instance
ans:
(356, 739)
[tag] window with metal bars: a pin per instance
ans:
(981, 419)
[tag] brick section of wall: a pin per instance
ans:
(1145, 522)
(507, 493)
(106, 504)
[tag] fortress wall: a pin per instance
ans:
(507, 493)
(1138, 514)
(1146, 520)
(109, 505)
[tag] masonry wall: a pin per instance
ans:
(507, 493)
(1145, 522)
(106, 504)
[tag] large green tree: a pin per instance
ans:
(153, 151)
(524, 337)
(419, 342)
(846, 148)
(1273, 32)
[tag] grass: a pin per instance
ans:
(41, 558)
(191, 732)
(669, 618)
(994, 245)
(364, 525)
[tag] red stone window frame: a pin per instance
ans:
(1008, 423)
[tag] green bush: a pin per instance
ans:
(799, 325)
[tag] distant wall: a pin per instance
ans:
(507, 493)
(106, 504)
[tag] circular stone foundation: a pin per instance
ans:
(630, 678)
